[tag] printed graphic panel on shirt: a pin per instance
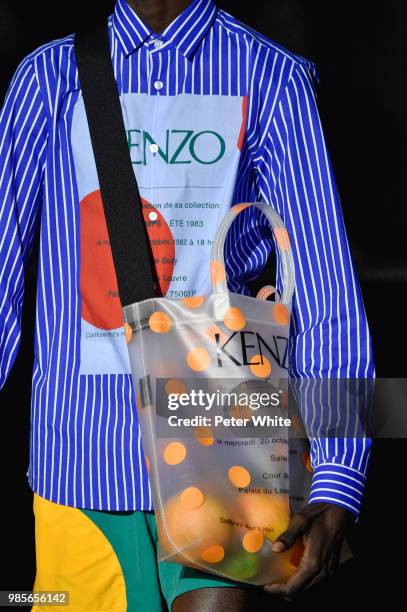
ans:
(185, 152)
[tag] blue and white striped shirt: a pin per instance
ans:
(215, 114)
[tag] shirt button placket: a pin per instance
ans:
(155, 58)
(158, 87)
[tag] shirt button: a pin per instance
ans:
(154, 148)
(158, 84)
(158, 43)
(152, 216)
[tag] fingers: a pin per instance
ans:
(322, 528)
(334, 558)
(328, 569)
(306, 572)
(312, 568)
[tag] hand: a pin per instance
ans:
(322, 527)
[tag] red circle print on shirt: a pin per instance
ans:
(98, 284)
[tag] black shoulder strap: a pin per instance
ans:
(120, 195)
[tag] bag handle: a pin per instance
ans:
(128, 237)
(218, 272)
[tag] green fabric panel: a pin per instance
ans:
(132, 542)
(133, 536)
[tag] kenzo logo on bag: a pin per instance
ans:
(237, 348)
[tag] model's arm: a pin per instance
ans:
(330, 336)
(22, 156)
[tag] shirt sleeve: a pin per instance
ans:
(22, 158)
(330, 335)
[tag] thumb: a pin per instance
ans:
(299, 525)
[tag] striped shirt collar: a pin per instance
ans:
(185, 32)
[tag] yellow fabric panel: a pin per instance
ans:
(74, 555)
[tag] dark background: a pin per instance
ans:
(360, 49)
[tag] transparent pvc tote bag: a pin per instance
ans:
(221, 483)
(209, 375)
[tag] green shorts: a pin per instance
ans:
(108, 561)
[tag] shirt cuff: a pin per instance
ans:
(338, 484)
